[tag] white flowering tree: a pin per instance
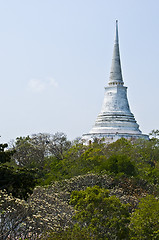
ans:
(28, 220)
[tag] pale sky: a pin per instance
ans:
(55, 59)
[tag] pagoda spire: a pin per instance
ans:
(116, 73)
(115, 120)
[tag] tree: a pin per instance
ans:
(44, 211)
(18, 181)
(5, 156)
(58, 145)
(71, 164)
(94, 159)
(121, 147)
(31, 151)
(144, 222)
(105, 217)
(120, 164)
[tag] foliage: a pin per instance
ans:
(27, 154)
(18, 181)
(138, 158)
(47, 211)
(58, 145)
(15, 215)
(28, 220)
(71, 165)
(56, 158)
(104, 216)
(145, 220)
(75, 233)
(5, 156)
(80, 159)
(93, 159)
(31, 151)
(120, 164)
(154, 133)
(121, 147)
(128, 169)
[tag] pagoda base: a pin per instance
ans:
(111, 137)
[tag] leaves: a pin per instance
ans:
(31, 151)
(120, 164)
(98, 180)
(145, 220)
(101, 214)
(5, 156)
(18, 181)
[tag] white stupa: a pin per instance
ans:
(115, 120)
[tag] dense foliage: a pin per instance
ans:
(145, 220)
(18, 181)
(139, 159)
(104, 216)
(99, 191)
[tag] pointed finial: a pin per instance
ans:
(116, 35)
(115, 72)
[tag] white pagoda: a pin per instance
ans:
(115, 120)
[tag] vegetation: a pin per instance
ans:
(103, 216)
(18, 181)
(145, 220)
(51, 188)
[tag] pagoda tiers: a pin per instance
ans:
(115, 120)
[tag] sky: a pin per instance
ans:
(55, 59)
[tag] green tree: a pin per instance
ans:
(121, 147)
(120, 164)
(71, 164)
(5, 155)
(145, 220)
(93, 158)
(18, 181)
(103, 216)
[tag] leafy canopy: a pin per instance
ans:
(18, 181)
(145, 220)
(103, 215)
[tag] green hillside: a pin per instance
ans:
(52, 188)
